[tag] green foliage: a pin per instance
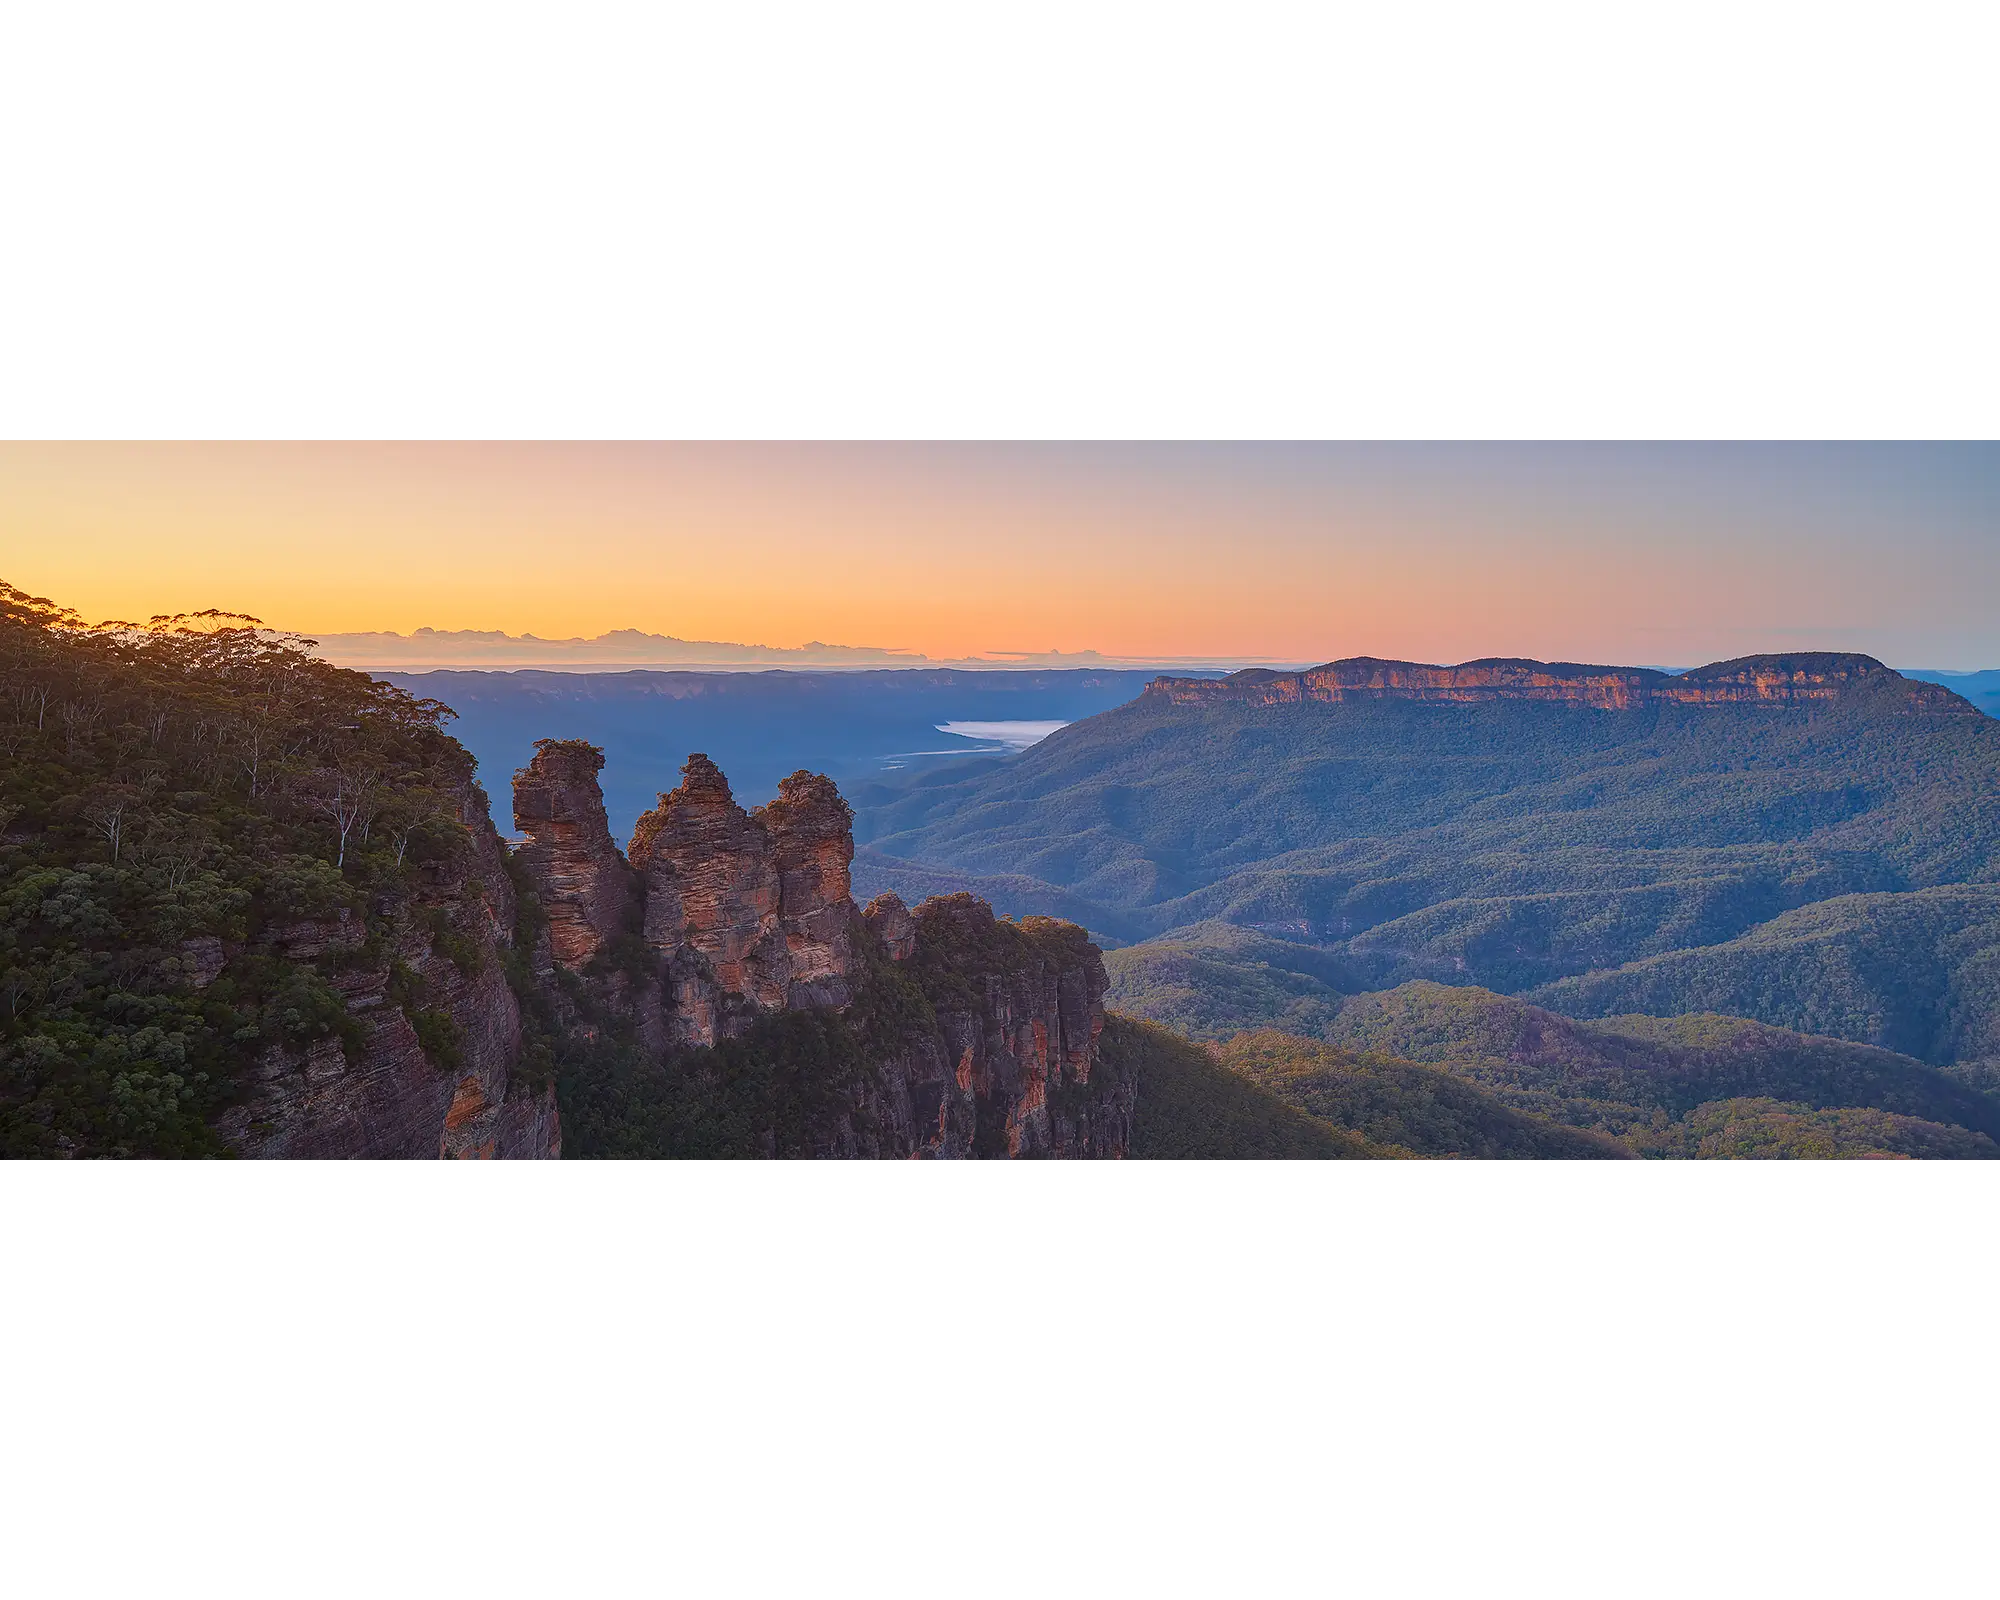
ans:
(1190, 1108)
(774, 1091)
(1212, 980)
(173, 798)
(1424, 1110)
(284, 1003)
(1982, 1076)
(462, 952)
(1831, 867)
(1636, 1076)
(1444, 1070)
(1917, 972)
(890, 1005)
(1016, 893)
(439, 1036)
(1770, 1130)
(961, 943)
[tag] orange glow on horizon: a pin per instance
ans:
(954, 551)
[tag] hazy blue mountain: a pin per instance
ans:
(756, 726)
(1657, 859)
(1981, 688)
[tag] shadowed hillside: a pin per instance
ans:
(1630, 1074)
(1213, 980)
(1517, 841)
(1425, 1110)
(1435, 1071)
(1192, 1108)
(1917, 972)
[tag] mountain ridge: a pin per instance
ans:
(1519, 838)
(1772, 679)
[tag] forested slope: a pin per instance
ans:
(1829, 864)
(1624, 1074)
(1916, 972)
(236, 882)
(1425, 1110)
(1190, 1107)
(1432, 1071)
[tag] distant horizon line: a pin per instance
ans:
(377, 651)
(445, 649)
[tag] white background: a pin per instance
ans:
(1032, 220)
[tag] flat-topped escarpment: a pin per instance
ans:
(1767, 680)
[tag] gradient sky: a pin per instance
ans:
(1670, 554)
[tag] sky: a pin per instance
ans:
(1653, 554)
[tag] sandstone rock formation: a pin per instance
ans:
(747, 913)
(1750, 680)
(1019, 1029)
(1794, 679)
(812, 848)
(585, 885)
(1008, 1062)
(890, 921)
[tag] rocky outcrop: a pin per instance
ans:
(974, 1036)
(1750, 680)
(1020, 1009)
(584, 884)
(747, 913)
(428, 1068)
(978, 1037)
(516, 1127)
(1011, 1066)
(889, 920)
(1804, 679)
(812, 850)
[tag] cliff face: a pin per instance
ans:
(586, 888)
(1750, 680)
(746, 916)
(1008, 1064)
(812, 851)
(1783, 680)
(1019, 1011)
(889, 920)
(747, 913)
(382, 1093)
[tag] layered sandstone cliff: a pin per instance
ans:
(746, 912)
(889, 920)
(1004, 1061)
(428, 1069)
(1020, 1008)
(1750, 680)
(586, 887)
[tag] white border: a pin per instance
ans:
(1719, 218)
(779, 1379)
